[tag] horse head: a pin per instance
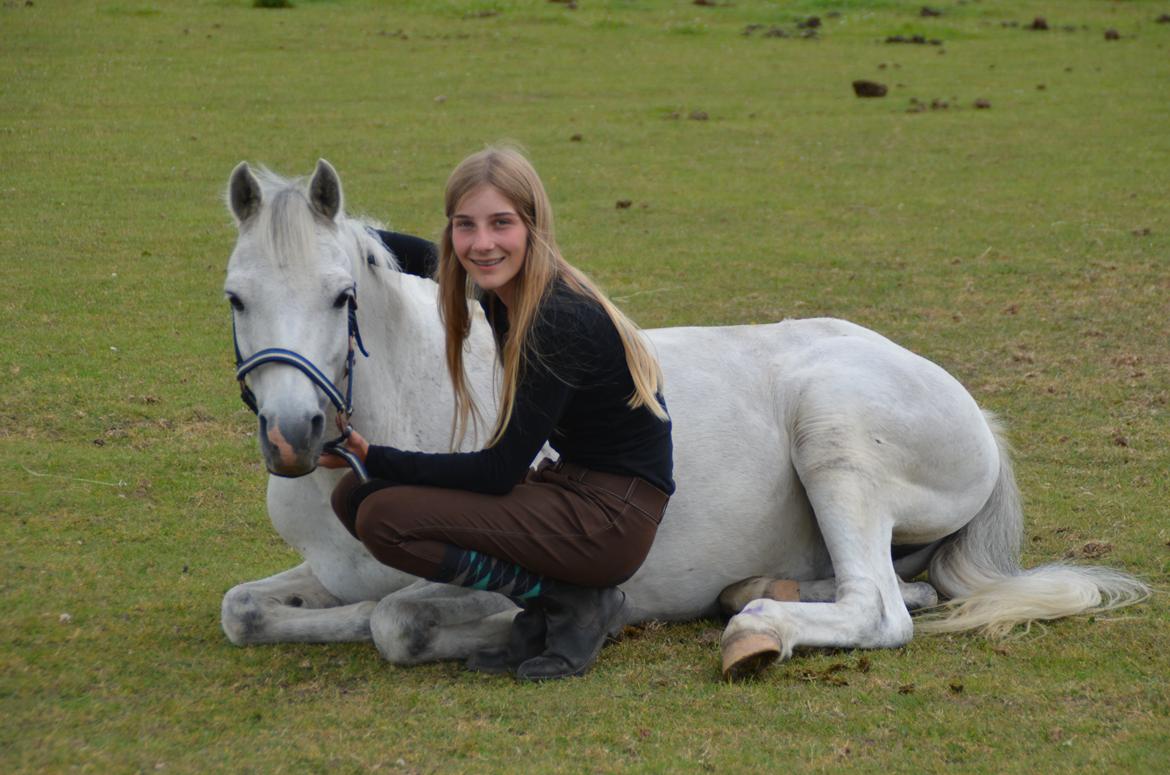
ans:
(290, 283)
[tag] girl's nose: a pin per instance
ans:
(483, 240)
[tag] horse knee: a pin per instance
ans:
(241, 616)
(404, 630)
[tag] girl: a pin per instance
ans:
(576, 374)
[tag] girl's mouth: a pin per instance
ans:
(488, 262)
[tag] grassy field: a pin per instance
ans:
(1023, 246)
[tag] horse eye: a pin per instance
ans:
(234, 300)
(343, 299)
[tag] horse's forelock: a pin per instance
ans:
(286, 225)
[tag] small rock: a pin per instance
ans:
(863, 88)
(441, 98)
(65, 618)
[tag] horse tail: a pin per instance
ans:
(978, 569)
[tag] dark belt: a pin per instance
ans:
(633, 490)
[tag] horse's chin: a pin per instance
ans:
(291, 472)
(291, 466)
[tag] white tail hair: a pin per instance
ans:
(978, 569)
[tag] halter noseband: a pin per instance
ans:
(343, 402)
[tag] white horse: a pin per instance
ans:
(804, 450)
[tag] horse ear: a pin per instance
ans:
(325, 190)
(243, 193)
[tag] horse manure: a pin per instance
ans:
(863, 88)
(576, 138)
(622, 204)
(982, 104)
(1112, 34)
(1039, 23)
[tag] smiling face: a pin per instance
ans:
(490, 240)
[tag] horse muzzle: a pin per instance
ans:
(291, 446)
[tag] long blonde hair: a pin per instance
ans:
(509, 172)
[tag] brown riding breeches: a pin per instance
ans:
(563, 522)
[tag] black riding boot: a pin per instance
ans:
(525, 640)
(578, 619)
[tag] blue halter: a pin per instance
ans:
(343, 402)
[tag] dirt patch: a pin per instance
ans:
(1093, 550)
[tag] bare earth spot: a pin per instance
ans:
(1093, 550)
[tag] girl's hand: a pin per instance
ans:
(354, 443)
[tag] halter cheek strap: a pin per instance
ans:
(342, 401)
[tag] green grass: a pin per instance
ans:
(1007, 244)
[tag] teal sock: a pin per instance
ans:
(469, 568)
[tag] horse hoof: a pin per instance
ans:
(748, 653)
(735, 596)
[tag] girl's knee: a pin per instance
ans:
(339, 500)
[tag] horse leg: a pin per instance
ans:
(292, 606)
(916, 595)
(868, 608)
(427, 622)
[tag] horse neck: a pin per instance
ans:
(402, 392)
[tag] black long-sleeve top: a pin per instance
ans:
(573, 393)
